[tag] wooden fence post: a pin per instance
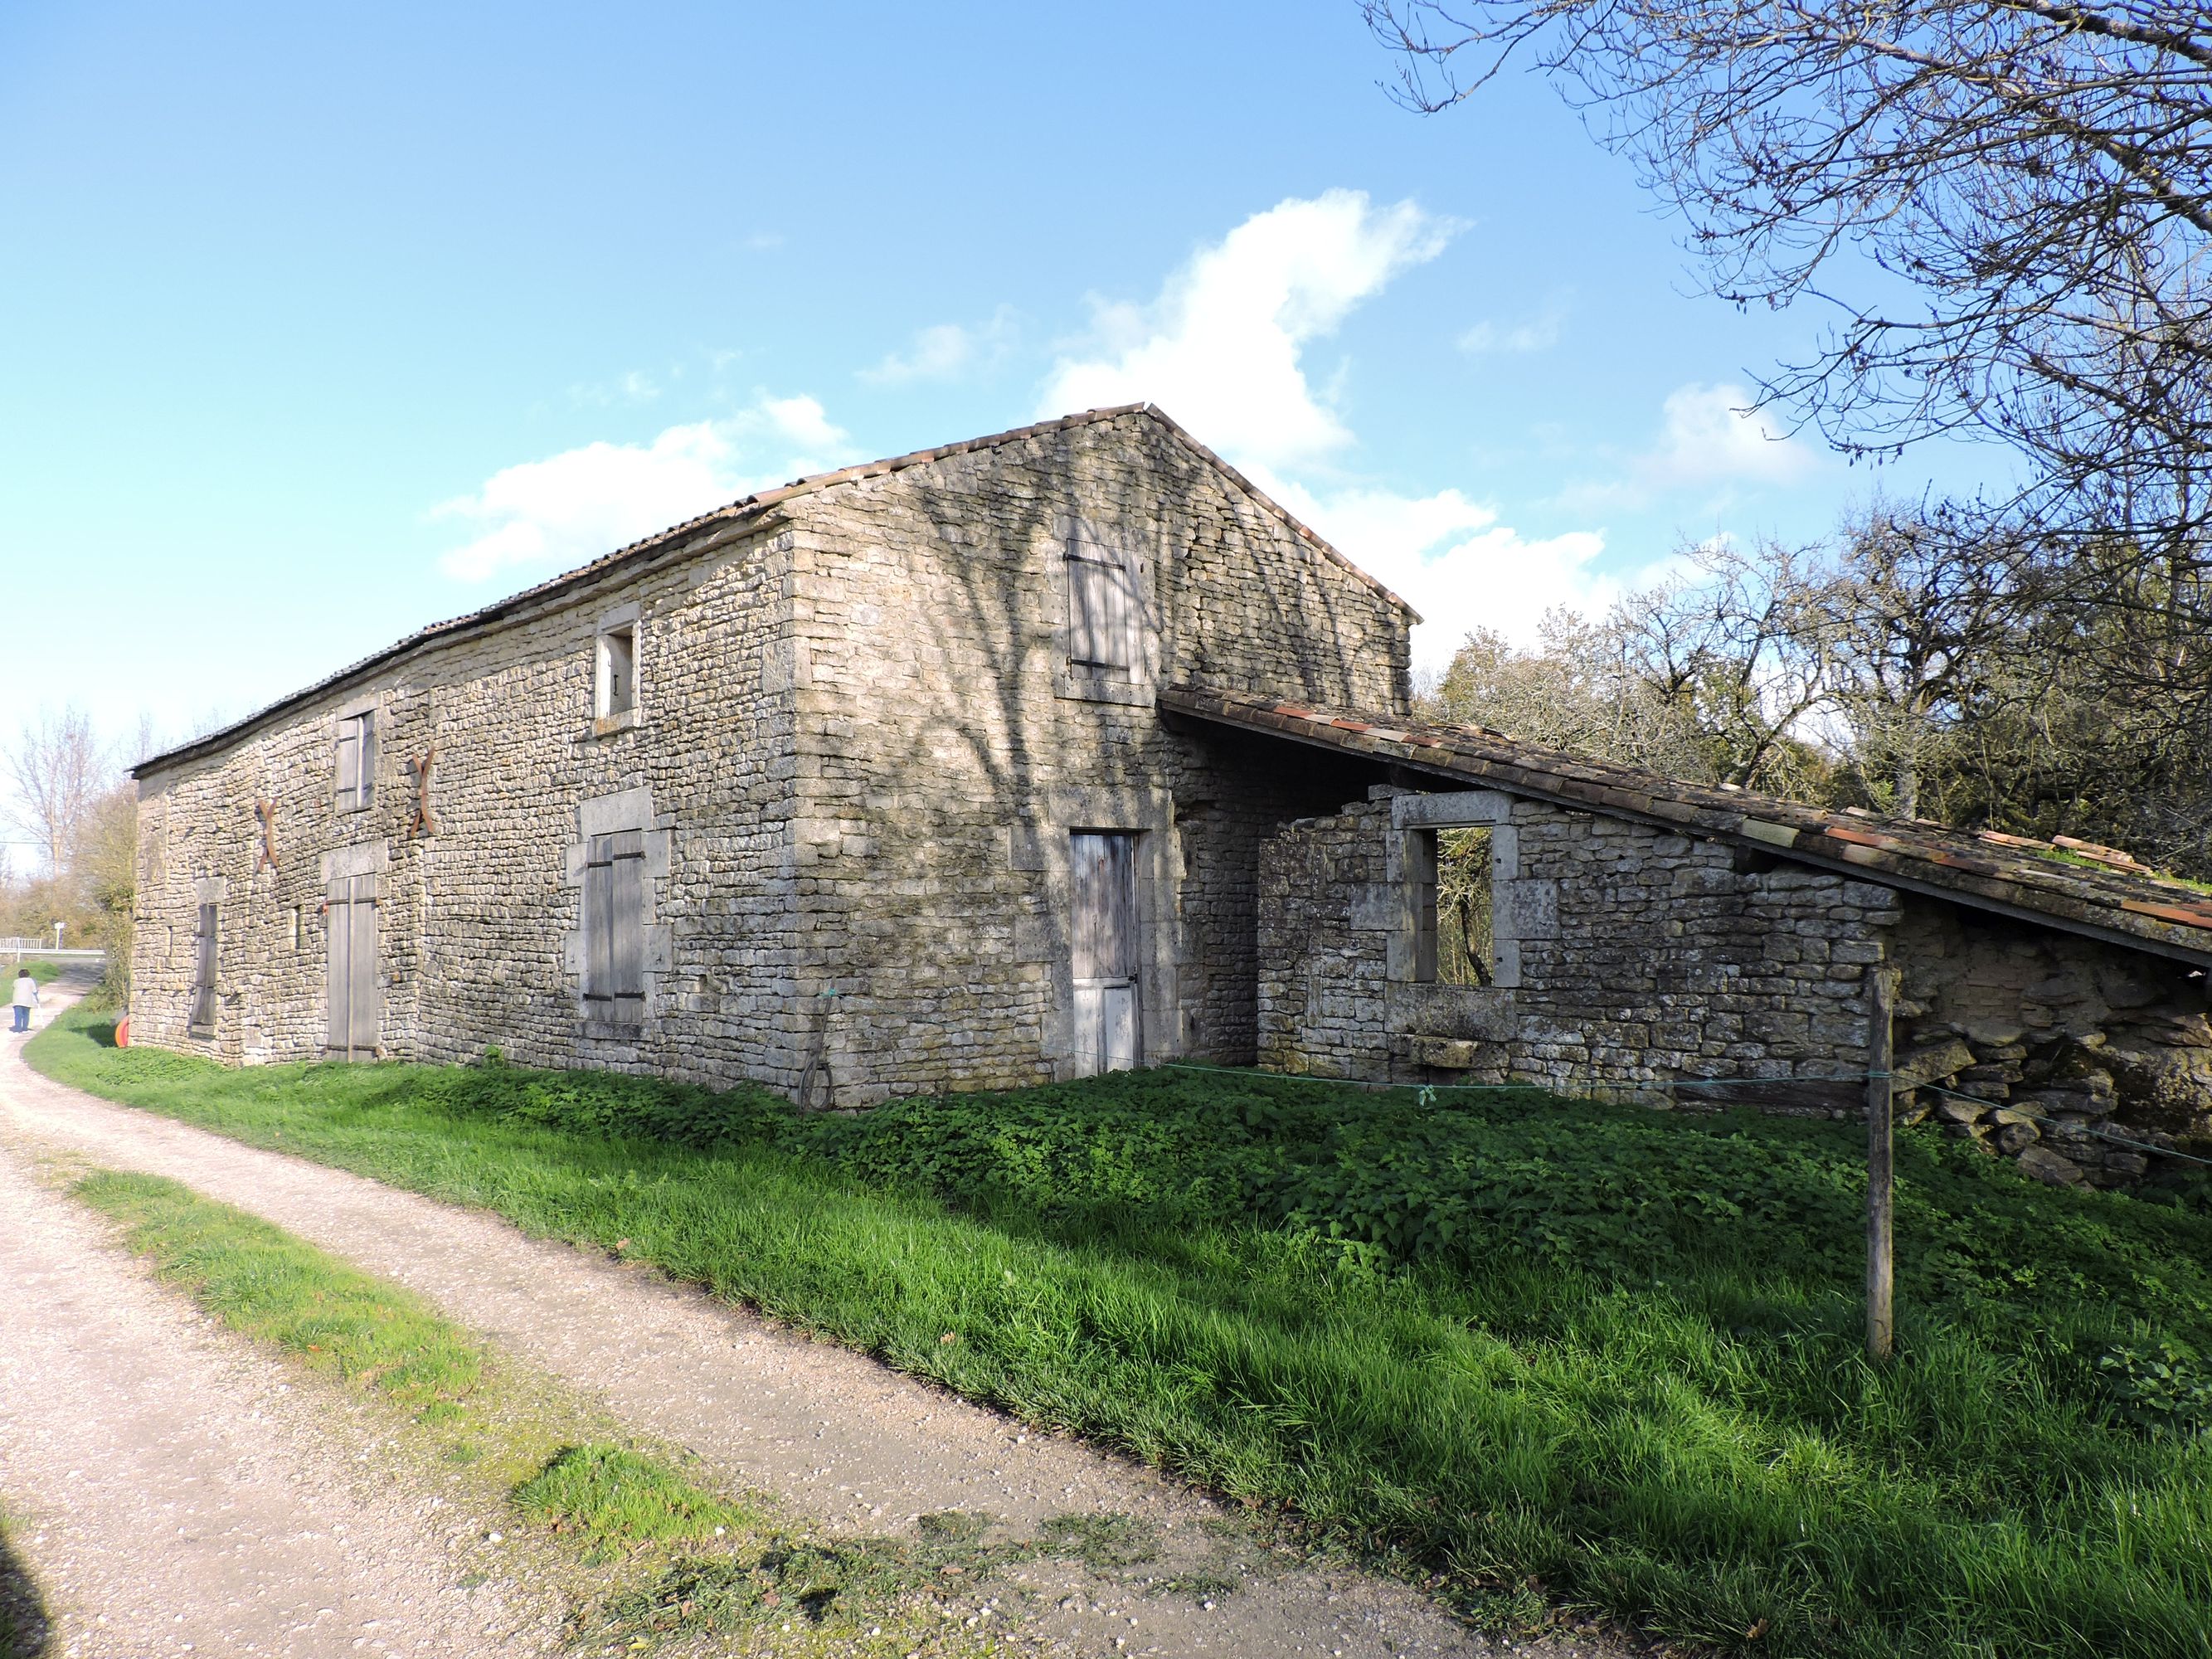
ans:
(1880, 1275)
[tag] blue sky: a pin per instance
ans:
(321, 323)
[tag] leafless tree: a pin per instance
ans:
(2037, 173)
(56, 769)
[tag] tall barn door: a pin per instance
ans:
(355, 1005)
(1105, 948)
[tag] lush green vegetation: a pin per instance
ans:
(1600, 1355)
(42, 970)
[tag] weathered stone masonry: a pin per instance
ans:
(858, 749)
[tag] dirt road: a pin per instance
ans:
(837, 1436)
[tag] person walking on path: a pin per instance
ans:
(27, 998)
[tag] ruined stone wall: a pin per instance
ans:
(1634, 961)
(949, 748)
(478, 923)
(2049, 1048)
(1630, 961)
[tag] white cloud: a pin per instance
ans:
(944, 351)
(1539, 333)
(1712, 436)
(1448, 557)
(569, 508)
(1219, 349)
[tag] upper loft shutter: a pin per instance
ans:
(347, 794)
(1102, 607)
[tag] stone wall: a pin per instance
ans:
(1632, 963)
(948, 749)
(858, 750)
(2048, 1048)
(477, 922)
(1629, 961)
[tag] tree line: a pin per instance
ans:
(1917, 665)
(67, 792)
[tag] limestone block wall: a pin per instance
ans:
(475, 912)
(858, 750)
(1630, 961)
(948, 749)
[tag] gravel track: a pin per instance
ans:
(834, 1434)
(169, 1491)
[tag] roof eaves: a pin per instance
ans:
(2138, 909)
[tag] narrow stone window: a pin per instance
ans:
(1454, 906)
(617, 689)
(356, 761)
(203, 961)
(614, 931)
(292, 926)
(1101, 608)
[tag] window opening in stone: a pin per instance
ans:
(614, 931)
(356, 761)
(293, 926)
(1102, 609)
(617, 679)
(204, 960)
(1457, 908)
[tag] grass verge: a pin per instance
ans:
(688, 1561)
(1604, 1356)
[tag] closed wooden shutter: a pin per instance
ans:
(1102, 609)
(355, 760)
(614, 929)
(204, 965)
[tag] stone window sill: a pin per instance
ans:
(1103, 685)
(607, 1032)
(606, 726)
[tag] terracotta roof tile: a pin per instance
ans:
(2012, 874)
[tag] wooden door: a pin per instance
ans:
(355, 1007)
(1108, 1037)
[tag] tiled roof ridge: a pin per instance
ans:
(2111, 894)
(744, 508)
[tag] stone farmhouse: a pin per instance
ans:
(1066, 750)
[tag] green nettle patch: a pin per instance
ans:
(1517, 1345)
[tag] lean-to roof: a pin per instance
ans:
(2075, 886)
(687, 535)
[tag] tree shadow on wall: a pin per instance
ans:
(26, 1632)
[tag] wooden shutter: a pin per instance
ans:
(348, 791)
(338, 980)
(356, 761)
(364, 994)
(366, 742)
(1101, 608)
(614, 929)
(203, 963)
